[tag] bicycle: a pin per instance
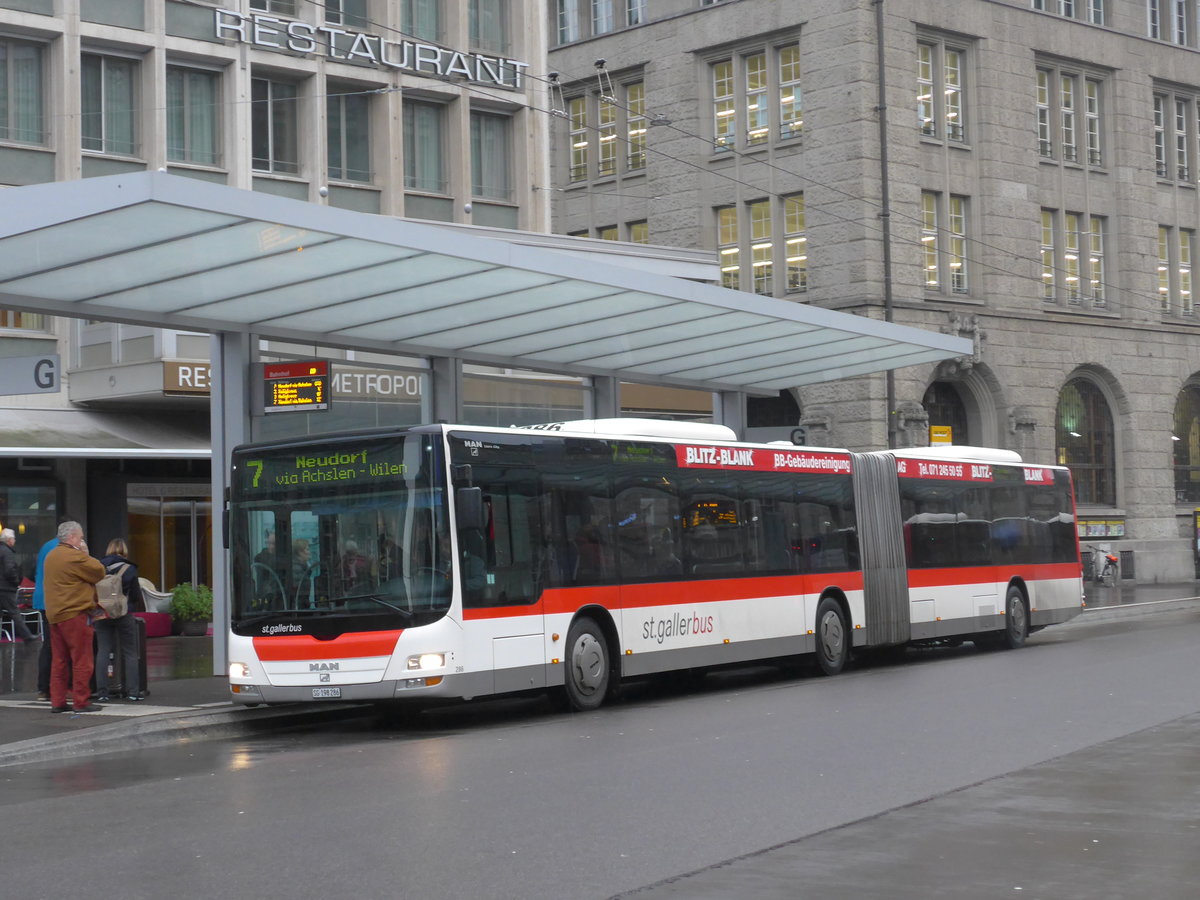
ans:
(1107, 575)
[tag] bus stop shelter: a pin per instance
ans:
(178, 253)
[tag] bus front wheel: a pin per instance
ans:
(588, 669)
(833, 637)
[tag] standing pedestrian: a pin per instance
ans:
(71, 577)
(122, 629)
(39, 603)
(10, 580)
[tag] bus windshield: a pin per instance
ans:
(353, 538)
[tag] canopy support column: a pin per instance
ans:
(229, 416)
(446, 375)
(729, 408)
(605, 398)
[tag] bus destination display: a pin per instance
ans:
(296, 386)
(343, 466)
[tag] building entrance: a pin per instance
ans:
(170, 533)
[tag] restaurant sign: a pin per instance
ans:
(273, 33)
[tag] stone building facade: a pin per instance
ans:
(1021, 172)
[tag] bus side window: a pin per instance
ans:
(502, 566)
(647, 519)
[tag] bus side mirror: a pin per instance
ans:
(468, 507)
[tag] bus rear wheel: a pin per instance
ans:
(1016, 620)
(833, 637)
(588, 667)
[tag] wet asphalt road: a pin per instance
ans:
(512, 799)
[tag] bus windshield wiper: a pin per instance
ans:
(374, 598)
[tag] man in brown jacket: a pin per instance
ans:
(71, 576)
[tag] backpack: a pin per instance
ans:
(111, 594)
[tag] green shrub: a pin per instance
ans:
(191, 603)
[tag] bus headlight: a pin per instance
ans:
(427, 661)
(239, 670)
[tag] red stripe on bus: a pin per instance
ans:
(668, 593)
(927, 578)
(286, 647)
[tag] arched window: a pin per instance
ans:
(944, 405)
(1084, 442)
(1186, 440)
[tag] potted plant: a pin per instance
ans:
(191, 608)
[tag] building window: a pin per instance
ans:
(274, 126)
(580, 138)
(795, 244)
(791, 110)
(491, 156)
(1084, 438)
(728, 251)
(608, 233)
(1185, 439)
(762, 249)
(489, 25)
(635, 120)
(1176, 249)
(944, 247)
(108, 117)
(602, 16)
(1061, 98)
(1049, 266)
(606, 132)
(1175, 121)
(349, 136)
(603, 142)
(639, 233)
(1182, 141)
(768, 84)
(1096, 275)
(421, 19)
(424, 147)
(1073, 258)
(775, 240)
(1160, 135)
(635, 12)
(940, 112)
(21, 92)
(568, 21)
(724, 110)
(282, 7)
(1169, 20)
(1092, 121)
(1090, 10)
(757, 109)
(11, 318)
(346, 12)
(193, 101)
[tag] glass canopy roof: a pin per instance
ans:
(173, 252)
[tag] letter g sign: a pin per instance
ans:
(45, 374)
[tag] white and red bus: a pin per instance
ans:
(448, 561)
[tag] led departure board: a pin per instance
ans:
(295, 386)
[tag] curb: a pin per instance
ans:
(170, 728)
(1127, 610)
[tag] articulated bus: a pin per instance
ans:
(448, 561)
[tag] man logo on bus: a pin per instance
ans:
(324, 667)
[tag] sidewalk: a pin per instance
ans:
(186, 698)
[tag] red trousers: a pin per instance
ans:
(71, 652)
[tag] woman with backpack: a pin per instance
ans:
(123, 628)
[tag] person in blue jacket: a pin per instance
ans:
(39, 603)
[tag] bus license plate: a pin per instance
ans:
(326, 692)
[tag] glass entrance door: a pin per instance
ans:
(170, 533)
